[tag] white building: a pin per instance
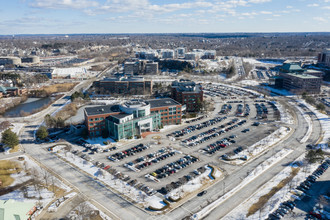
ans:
(70, 73)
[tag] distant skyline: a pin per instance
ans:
(158, 16)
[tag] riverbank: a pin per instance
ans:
(18, 107)
(10, 102)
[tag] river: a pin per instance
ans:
(30, 105)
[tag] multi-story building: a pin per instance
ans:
(132, 118)
(151, 68)
(167, 54)
(191, 56)
(146, 54)
(298, 80)
(30, 59)
(188, 93)
(180, 52)
(132, 67)
(12, 91)
(169, 109)
(299, 83)
(324, 57)
(209, 54)
(10, 60)
(125, 85)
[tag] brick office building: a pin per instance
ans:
(187, 93)
(112, 117)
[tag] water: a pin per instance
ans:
(272, 61)
(30, 105)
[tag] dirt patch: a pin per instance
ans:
(14, 149)
(6, 169)
(264, 199)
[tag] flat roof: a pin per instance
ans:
(303, 76)
(121, 115)
(107, 109)
(103, 109)
(156, 103)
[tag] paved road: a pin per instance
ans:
(292, 142)
(120, 207)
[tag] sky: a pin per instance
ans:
(160, 16)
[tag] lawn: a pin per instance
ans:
(6, 169)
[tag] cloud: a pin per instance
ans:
(266, 12)
(64, 4)
(326, 7)
(320, 19)
(259, 1)
(313, 5)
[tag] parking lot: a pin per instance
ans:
(180, 154)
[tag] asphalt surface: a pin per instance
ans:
(120, 208)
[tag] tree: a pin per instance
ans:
(42, 133)
(320, 107)
(60, 122)
(4, 125)
(50, 121)
(315, 155)
(9, 138)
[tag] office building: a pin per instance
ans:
(324, 57)
(151, 68)
(180, 52)
(125, 85)
(132, 68)
(10, 61)
(209, 54)
(167, 54)
(188, 93)
(298, 80)
(132, 118)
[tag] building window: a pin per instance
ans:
(101, 118)
(91, 124)
(90, 119)
(96, 119)
(169, 117)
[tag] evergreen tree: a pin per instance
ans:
(42, 133)
(9, 138)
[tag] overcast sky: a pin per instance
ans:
(160, 16)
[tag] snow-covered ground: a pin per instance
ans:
(108, 179)
(323, 119)
(286, 117)
(282, 195)
(85, 207)
(99, 141)
(212, 65)
(131, 192)
(15, 127)
(310, 125)
(249, 83)
(262, 145)
(41, 196)
(193, 184)
(59, 202)
(251, 176)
